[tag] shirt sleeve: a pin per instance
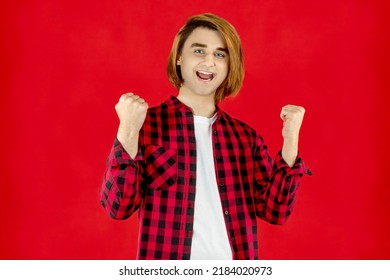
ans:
(276, 184)
(121, 189)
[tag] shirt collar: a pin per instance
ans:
(172, 101)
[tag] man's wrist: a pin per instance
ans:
(129, 141)
(290, 150)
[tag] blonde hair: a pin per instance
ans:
(233, 82)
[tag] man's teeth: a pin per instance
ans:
(205, 75)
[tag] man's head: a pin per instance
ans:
(235, 70)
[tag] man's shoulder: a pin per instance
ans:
(158, 108)
(169, 103)
(162, 112)
(236, 122)
(243, 129)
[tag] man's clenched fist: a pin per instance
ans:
(131, 110)
(292, 117)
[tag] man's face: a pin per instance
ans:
(204, 62)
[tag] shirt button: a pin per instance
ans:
(218, 157)
(222, 185)
(226, 212)
(232, 239)
(215, 132)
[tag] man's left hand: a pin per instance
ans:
(292, 117)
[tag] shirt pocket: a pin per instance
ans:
(161, 167)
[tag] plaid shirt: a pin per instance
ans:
(160, 182)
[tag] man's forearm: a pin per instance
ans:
(129, 141)
(290, 151)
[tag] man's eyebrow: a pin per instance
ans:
(199, 45)
(223, 49)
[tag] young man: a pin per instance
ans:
(197, 176)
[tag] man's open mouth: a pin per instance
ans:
(204, 75)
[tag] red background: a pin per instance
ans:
(64, 65)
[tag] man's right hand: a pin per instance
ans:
(131, 110)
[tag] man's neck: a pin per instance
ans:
(203, 106)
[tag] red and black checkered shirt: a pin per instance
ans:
(160, 182)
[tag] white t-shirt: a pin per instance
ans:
(210, 240)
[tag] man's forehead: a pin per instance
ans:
(204, 37)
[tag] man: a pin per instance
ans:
(197, 176)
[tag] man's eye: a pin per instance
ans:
(220, 55)
(199, 51)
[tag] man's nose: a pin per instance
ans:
(209, 60)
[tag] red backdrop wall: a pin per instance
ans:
(64, 65)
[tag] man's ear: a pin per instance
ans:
(178, 62)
